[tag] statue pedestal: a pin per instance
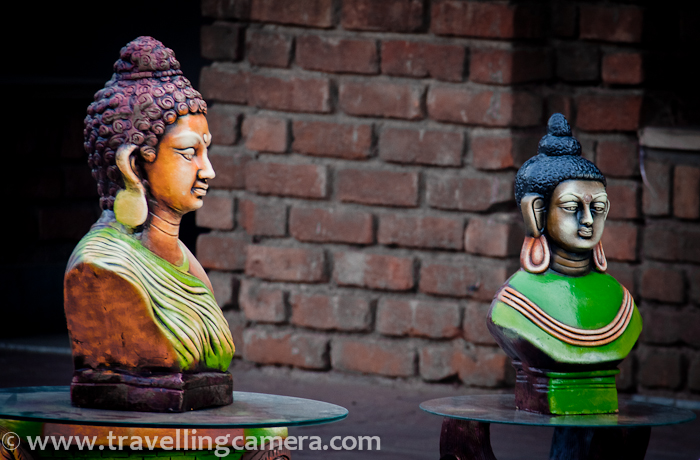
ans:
(45, 412)
(467, 419)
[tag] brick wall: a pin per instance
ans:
(363, 213)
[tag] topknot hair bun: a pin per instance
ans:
(558, 140)
(146, 57)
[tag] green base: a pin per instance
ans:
(582, 392)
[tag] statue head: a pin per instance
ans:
(562, 198)
(146, 103)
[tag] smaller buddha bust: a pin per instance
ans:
(146, 331)
(565, 323)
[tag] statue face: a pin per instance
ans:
(576, 215)
(178, 176)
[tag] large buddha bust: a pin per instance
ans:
(562, 319)
(146, 331)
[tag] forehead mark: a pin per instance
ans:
(587, 198)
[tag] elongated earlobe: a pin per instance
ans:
(130, 206)
(533, 211)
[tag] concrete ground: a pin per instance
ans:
(378, 407)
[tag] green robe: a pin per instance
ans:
(183, 307)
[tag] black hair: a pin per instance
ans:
(558, 159)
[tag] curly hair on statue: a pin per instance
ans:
(146, 93)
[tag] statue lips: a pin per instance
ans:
(200, 189)
(585, 232)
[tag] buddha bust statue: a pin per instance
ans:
(146, 331)
(564, 322)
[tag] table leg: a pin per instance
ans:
(465, 440)
(569, 443)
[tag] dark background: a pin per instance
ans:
(55, 56)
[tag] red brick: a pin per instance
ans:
(497, 235)
(667, 325)
(310, 13)
(225, 286)
(263, 303)
(223, 84)
(508, 66)
(694, 373)
(263, 217)
(624, 199)
(486, 20)
(474, 324)
(462, 279)
(222, 41)
(625, 274)
(392, 358)
(468, 193)
(429, 318)
(578, 62)
(269, 49)
(608, 112)
(561, 103)
(623, 68)
(338, 140)
(672, 241)
(380, 188)
(224, 122)
(321, 311)
(265, 134)
(381, 99)
(482, 366)
(694, 283)
(689, 326)
(496, 150)
(307, 350)
(663, 284)
(423, 60)
(387, 15)
(222, 251)
(236, 324)
(229, 165)
(440, 148)
(373, 271)
(618, 157)
(234, 9)
(421, 231)
(614, 23)
(66, 222)
(291, 94)
(299, 180)
(435, 362)
(686, 192)
(620, 241)
(217, 212)
(626, 379)
(660, 367)
(656, 196)
(339, 55)
(331, 225)
(563, 18)
(286, 264)
(483, 107)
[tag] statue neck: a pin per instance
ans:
(160, 233)
(569, 263)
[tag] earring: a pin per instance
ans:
(601, 263)
(535, 255)
(130, 206)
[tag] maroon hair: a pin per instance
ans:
(146, 93)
